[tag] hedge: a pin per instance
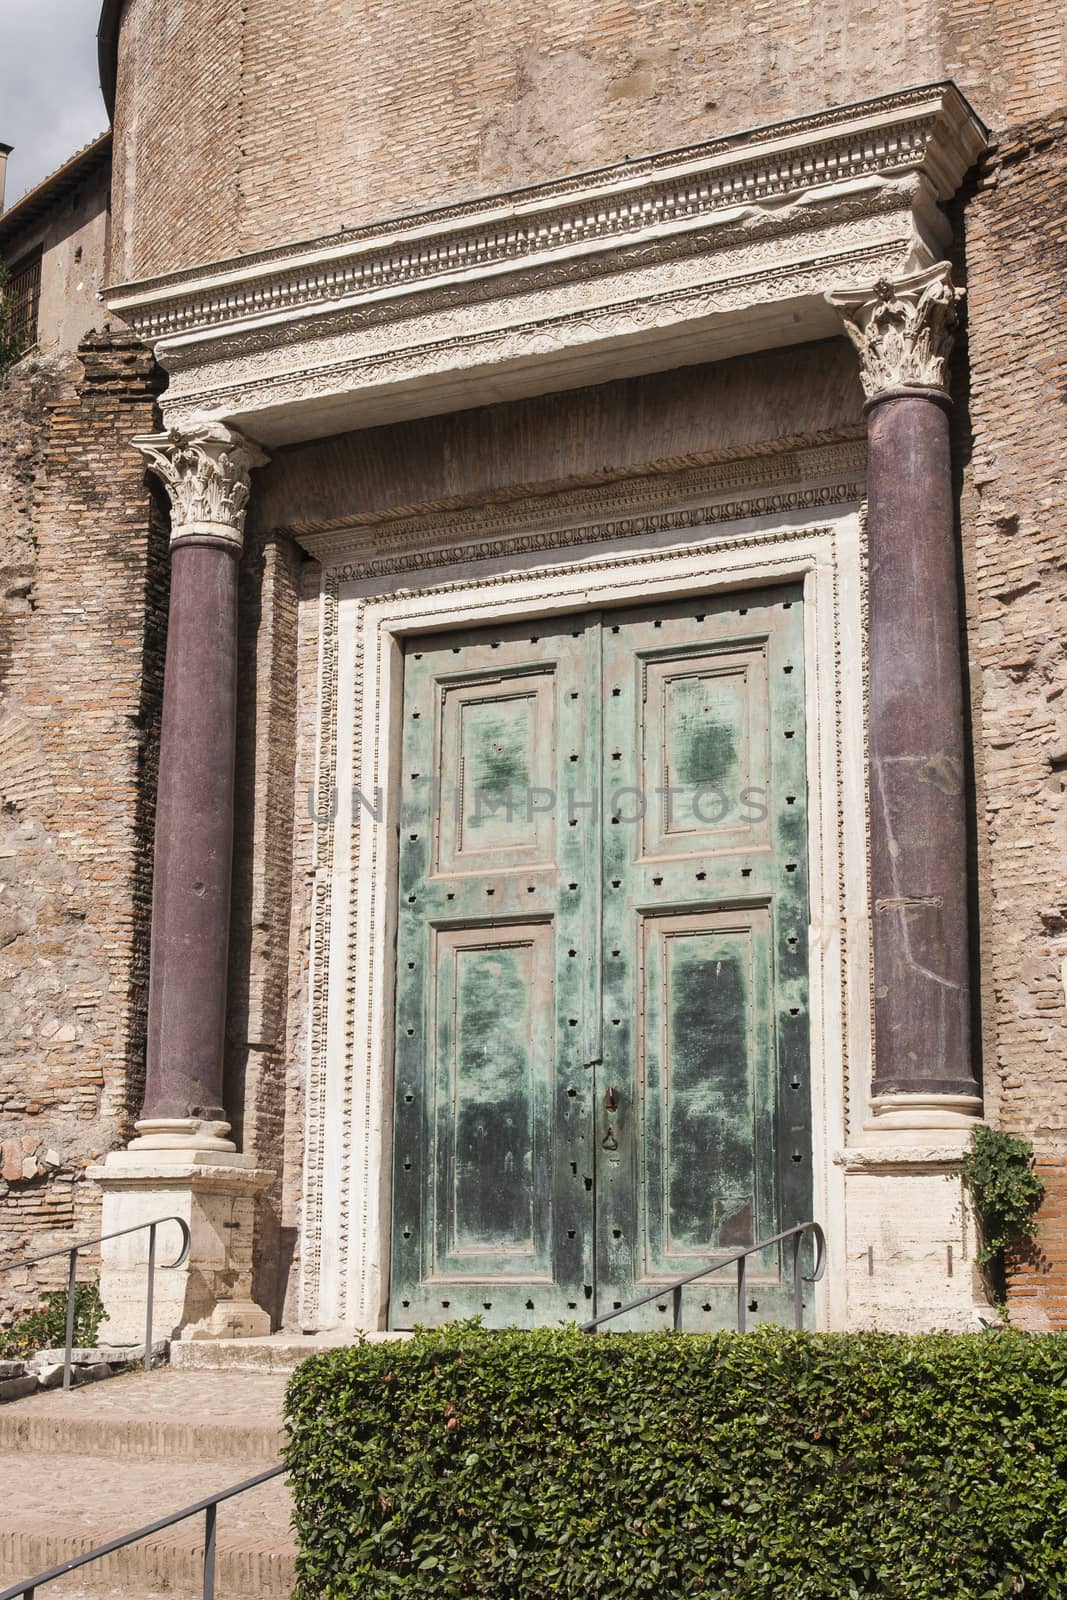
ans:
(550, 1464)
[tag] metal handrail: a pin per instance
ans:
(87, 1244)
(27, 1589)
(739, 1258)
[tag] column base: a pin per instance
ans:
(910, 1237)
(936, 1113)
(192, 1135)
(213, 1192)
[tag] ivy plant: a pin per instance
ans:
(1006, 1189)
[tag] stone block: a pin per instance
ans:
(910, 1242)
(12, 1369)
(49, 1374)
(93, 1373)
(130, 1354)
(17, 1388)
(81, 1355)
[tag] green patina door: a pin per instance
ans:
(602, 1017)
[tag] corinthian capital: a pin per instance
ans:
(904, 330)
(206, 471)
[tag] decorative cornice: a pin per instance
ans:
(903, 329)
(689, 256)
(206, 472)
(783, 505)
(928, 129)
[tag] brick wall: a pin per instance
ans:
(82, 556)
(1014, 516)
(1037, 1282)
(244, 125)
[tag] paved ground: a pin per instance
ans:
(77, 1469)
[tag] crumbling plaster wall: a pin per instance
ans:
(73, 240)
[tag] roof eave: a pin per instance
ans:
(32, 205)
(107, 46)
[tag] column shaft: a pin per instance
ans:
(917, 804)
(194, 837)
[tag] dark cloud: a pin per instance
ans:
(50, 101)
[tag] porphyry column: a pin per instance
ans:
(206, 475)
(923, 1072)
(182, 1164)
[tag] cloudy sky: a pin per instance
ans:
(50, 102)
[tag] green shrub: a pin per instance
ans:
(46, 1328)
(523, 1466)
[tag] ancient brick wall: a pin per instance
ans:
(82, 552)
(1014, 516)
(242, 126)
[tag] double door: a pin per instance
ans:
(601, 1078)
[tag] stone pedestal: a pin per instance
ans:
(210, 1295)
(911, 1241)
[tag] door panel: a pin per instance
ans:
(704, 744)
(602, 1031)
(705, 941)
(705, 1087)
(492, 1107)
(496, 740)
(492, 1170)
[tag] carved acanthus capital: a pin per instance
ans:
(206, 471)
(903, 330)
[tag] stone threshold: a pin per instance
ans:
(279, 1352)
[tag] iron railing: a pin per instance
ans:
(29, 1586)
(72, 1274)
(738, 1258)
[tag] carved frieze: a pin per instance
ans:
(903, 328)
(206, 472)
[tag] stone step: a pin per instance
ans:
(154, 1417)
(255, 1558)
(142, 1439)
(280, 1352)
(79, 1469)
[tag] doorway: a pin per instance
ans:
(601, 1076)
